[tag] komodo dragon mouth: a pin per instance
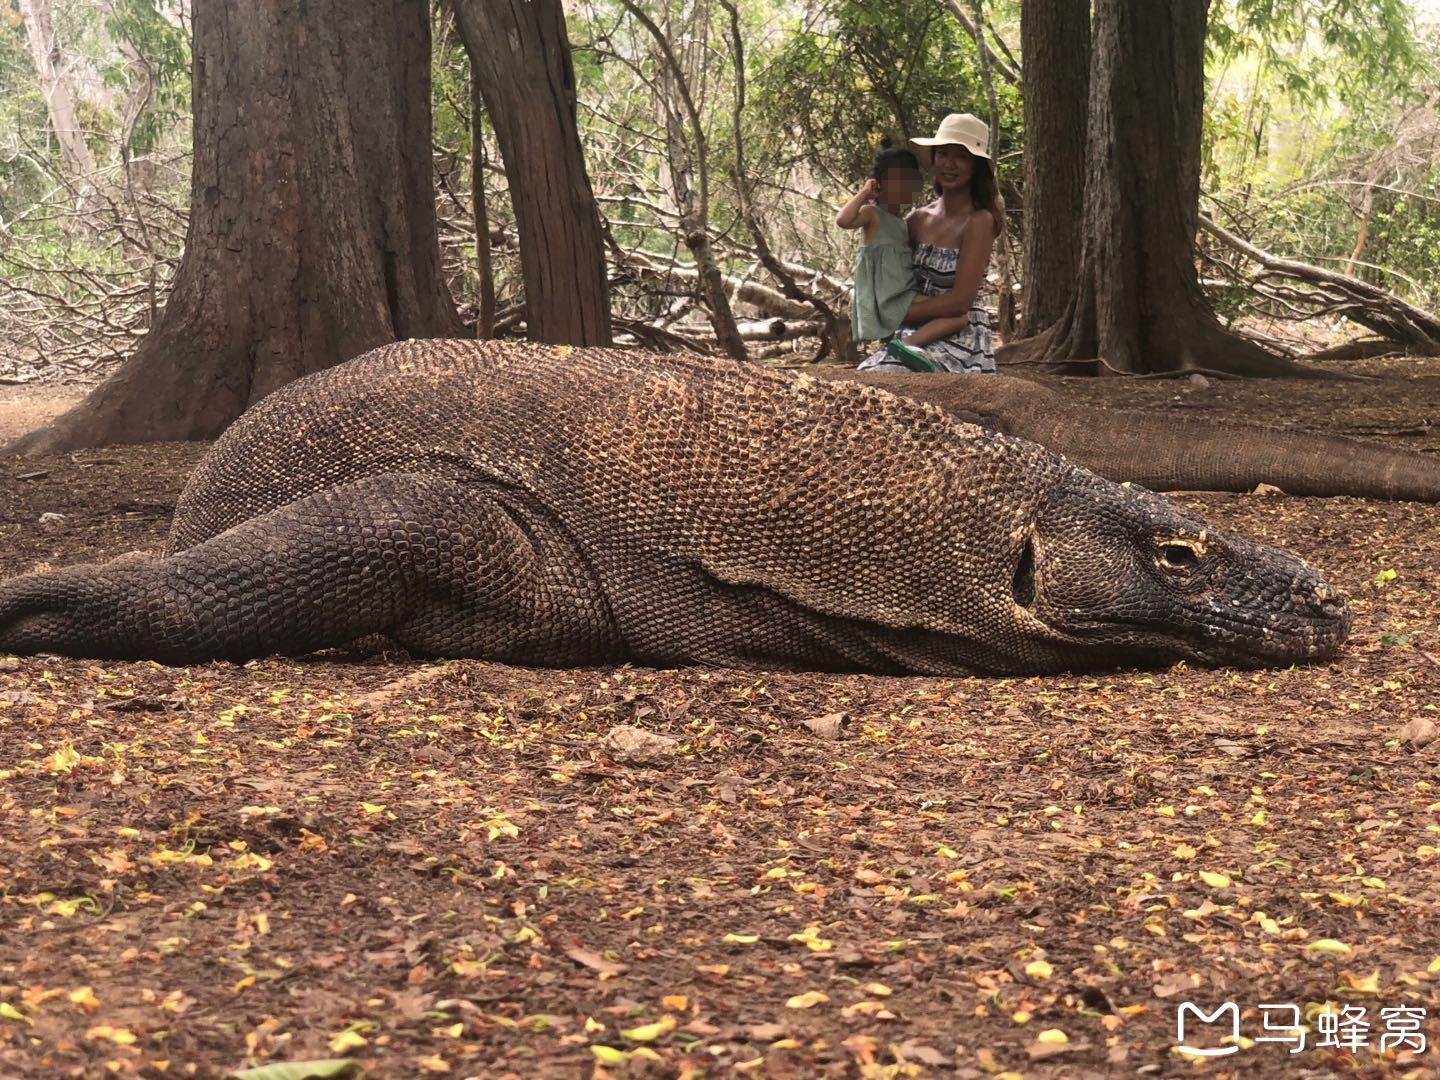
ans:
(535, 505)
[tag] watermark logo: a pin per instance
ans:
(1199, 1016)
(1347, 1028)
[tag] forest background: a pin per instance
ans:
(1321, 144)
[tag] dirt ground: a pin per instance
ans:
(441, 870)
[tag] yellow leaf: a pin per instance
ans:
(1052, 1036)
(740, 939)
(372, 808)
(650, 1032)
(878, 989)
(9, 1012)
(1039, 969)
(347, 1041)
(608, 1055)
(592, 1025)
(943, 852)
(83, 998)
(678, 1002)
(119, 1036)
(1369, 984)
(811, 941)
(1020, 1016)
(1434, 968)
(1331, 946)
(434, 1063)
(807, 1000)
(875, 1009)
(243, 984)
(1184, 851)
(1214, 879)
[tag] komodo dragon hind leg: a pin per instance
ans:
(372, 556)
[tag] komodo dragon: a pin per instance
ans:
(554, 506)
(1166, 452)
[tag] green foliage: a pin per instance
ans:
(860, 71)
(1405, 233)
(1311, 103)
(166, 52)
(1316, 49)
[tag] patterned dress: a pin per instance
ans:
(972, 350)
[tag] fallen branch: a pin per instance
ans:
(1371, 306)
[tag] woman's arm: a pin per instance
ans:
(937, 329)
(975, 248)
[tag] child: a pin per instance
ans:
(884, 277)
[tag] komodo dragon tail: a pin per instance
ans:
(1165, 452)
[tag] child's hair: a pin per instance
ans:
(892, 157)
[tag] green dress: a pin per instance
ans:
(884, 280)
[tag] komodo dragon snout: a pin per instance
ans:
(556, 506)
(1123, 571)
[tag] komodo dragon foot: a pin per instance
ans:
(442, 569)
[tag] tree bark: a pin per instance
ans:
(45, 55)
(312, 224)
(687, 156)
(484, 267)
(1138, 305)
(1055, 49)
(521, 53)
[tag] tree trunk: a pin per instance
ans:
(312, 223)
(1138, 305)
(45, 55)
(687, 155)
(521, 54)
(484, 267)
(1055, 49)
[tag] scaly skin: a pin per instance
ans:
(1165, 451)
(557, 506)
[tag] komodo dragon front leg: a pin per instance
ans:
(444, 568)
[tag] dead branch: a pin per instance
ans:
(1369, 305)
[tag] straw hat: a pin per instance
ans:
(959, 129)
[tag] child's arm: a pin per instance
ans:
(859, 212)
(936, 329)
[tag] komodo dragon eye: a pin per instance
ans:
(1178, 556)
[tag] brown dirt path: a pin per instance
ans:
(24, 408)
(440, 870)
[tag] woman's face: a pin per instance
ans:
(953, 165)
(898, 187)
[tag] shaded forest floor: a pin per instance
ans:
(440, 869)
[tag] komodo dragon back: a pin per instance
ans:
(560, 506)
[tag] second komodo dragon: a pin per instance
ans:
(554, 506)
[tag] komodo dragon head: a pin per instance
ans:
(1119, 567)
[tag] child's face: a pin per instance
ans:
(898, 187)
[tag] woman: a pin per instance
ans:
(952, 238)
